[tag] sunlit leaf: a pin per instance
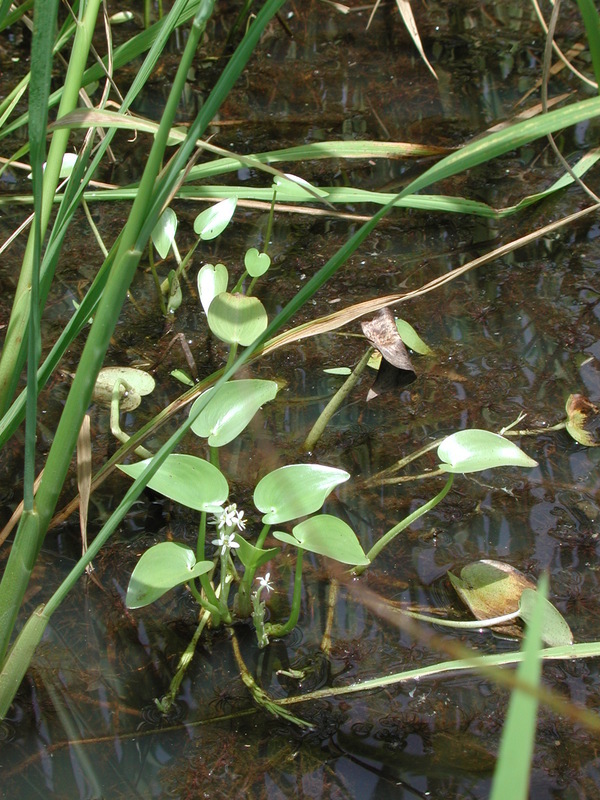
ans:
(185, 479)
(160, 569)
(338, 371)
(235, 318)
(476, 450)
(231, 408)
(212, 280)
(163, 233)
(137, 384)
(327, 536)
(491, 589)
(213, 221)
(297, 188)
(555, 630)
(295, 490)
(256, 263)
(411, 338)
(120, 17)
(251, 556)
(583, 420)
(182, 377)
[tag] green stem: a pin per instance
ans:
(13, 349)
(393, 532)
(212, 608)
(279, 630)
(185, 660)
(16, 574)
(471, 624)
(336, 401)
(201, 542)
(28, 540)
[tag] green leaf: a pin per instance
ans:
(513, 770)
(411, 338)
(295, 491)
(213, 221)
(182, 377)
(340, 370)
(253, 557)
(235, 318)
(137, 384)
(256, 263)
(555, 631)
(477, 450)
(163, 233)
(185, 479)
(231, 408)
(327, 536)
(212, 280)
(161, 568)
(296, 188)
(175, 293)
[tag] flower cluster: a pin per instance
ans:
(231, 518)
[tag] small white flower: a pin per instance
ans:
(265, 583)
(231, 518)
(241, 523)
(226, 543)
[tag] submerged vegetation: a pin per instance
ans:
(228, 571)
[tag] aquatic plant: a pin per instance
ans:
(237, 317)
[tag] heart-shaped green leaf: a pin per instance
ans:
(137, 384)
(235, 318)
(163, 233)
(161, 568)
(213, 221)
(212, 280)
(256, 263)
(477, 450)
(295, 490)
(327, 536)
(231, 408)
(185, 479)
(555, 631)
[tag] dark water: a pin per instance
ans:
(517, 335)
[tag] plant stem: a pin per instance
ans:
(185, 660)
(13, 351)
(28, 539)
(387, 538)
(335, 402)
(279, 630)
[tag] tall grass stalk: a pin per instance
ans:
(144, 214)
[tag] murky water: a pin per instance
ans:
(517, 335)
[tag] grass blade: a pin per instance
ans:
(511, 778)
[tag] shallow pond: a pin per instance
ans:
(516, 335)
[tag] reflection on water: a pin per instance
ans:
(518, 335)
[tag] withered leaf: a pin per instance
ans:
(583, 420)
(396, 370)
